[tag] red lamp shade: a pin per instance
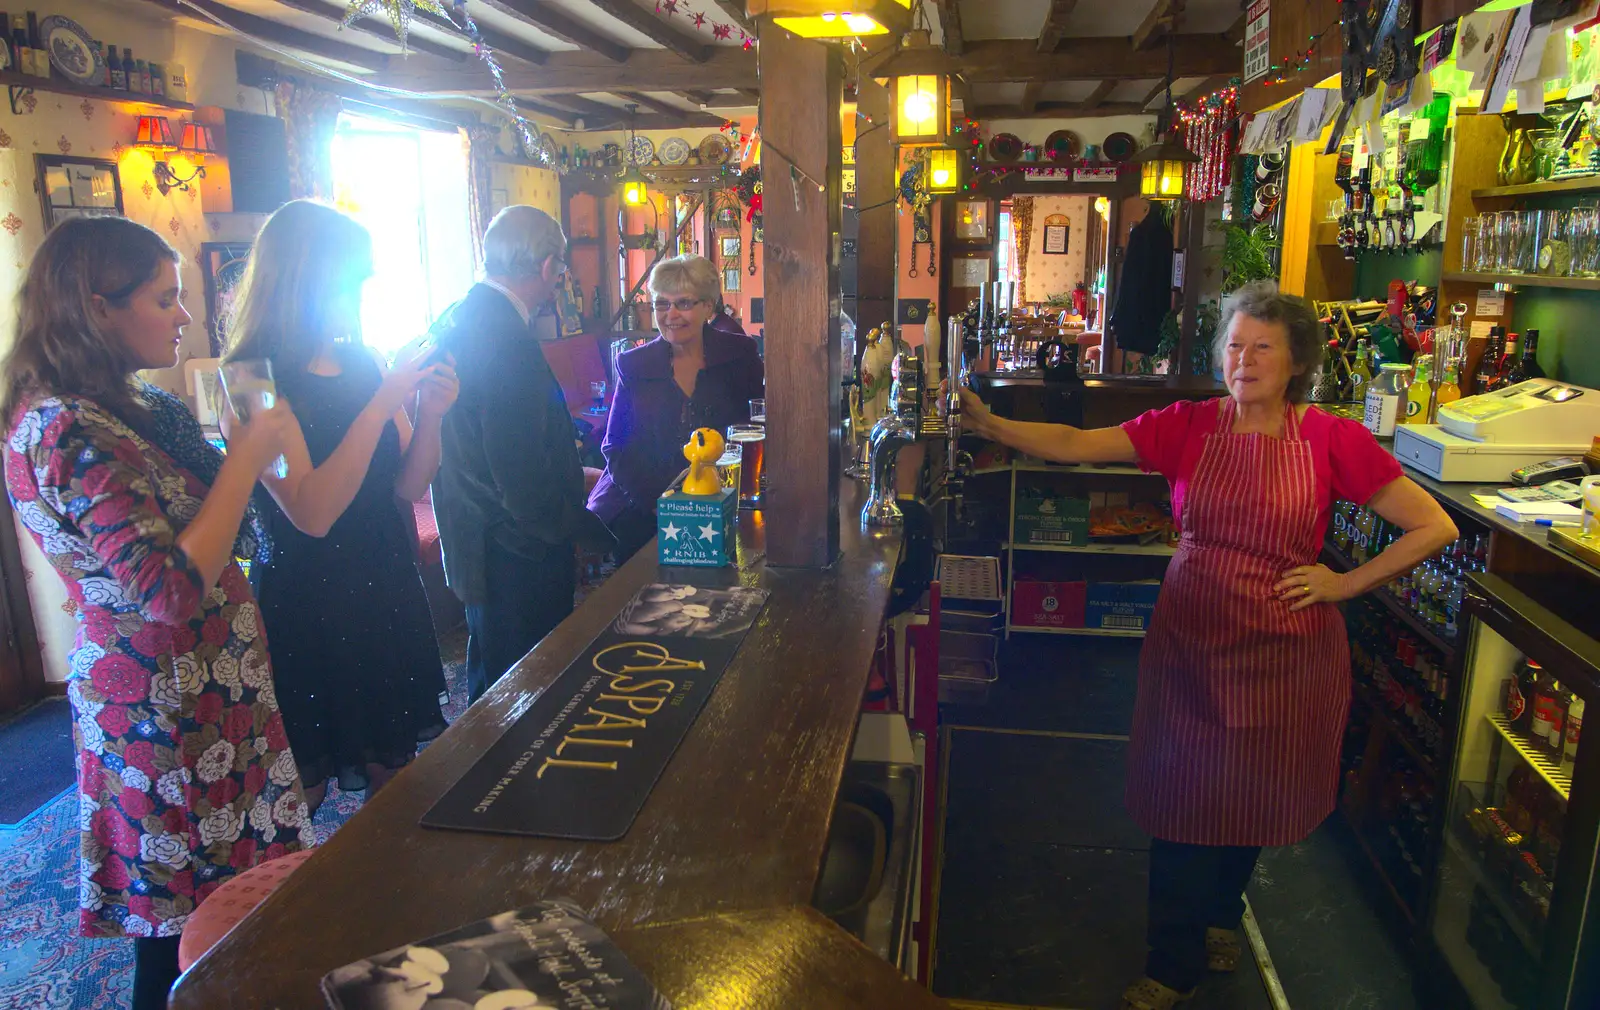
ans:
(156, 133)
(197, 140)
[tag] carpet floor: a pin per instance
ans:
(37, 745)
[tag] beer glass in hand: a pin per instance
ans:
(248, 384)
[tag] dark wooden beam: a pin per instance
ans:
(1098, 95)
(579, 72)
(950, 23)
(377, 26)
(804, 81)
(700, 97)
(1058, 110)
(1054, 28)
(1030, 96)
(1216, 82)
(552, 21)
(283, 35)
(499, 41)
(753, 94)
(654, 105)
(528, 106)
(1156, 92)
(1076, 59)
(657, 29)
(1164, 19)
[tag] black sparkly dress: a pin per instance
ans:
(358, 672)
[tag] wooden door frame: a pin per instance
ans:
(22, 679)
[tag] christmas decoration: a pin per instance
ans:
(1210, 129)
(400, 13)
(1280, 73)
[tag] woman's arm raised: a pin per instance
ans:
(1058, 443)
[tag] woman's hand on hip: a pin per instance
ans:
(1308, 584)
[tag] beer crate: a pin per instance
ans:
(1056, 521)
(696, 529)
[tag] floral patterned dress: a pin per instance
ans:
(185, 776)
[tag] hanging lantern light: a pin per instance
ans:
(944, 170)
(834, 19)
(921, 110)
(1161, 165)
(635, 188)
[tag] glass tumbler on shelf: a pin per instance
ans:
(1469, 244)
(248, 384)
(752, 441)
(758, 411)
(1485, 245)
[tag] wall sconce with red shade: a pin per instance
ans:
(155, 134)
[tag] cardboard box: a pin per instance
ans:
(1056, 522)
(1121, 606)
(1048, 604)
(696, 529)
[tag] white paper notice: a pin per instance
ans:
(1308, 124)
(1530, 97)
(1479, 329)
(1490, 303)
(1479, 39)
(1257, 41)
(1506, 73)
(1532, 60)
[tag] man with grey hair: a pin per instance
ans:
(509, 497)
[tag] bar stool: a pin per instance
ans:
(232, 902)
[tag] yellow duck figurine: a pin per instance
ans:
(702, 451)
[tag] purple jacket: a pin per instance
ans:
(651, 419)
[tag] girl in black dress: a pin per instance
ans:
(359, 676)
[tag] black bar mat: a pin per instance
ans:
(581, 761)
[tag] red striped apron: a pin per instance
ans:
(1241, 703)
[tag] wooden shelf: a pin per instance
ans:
(1529, 280)
(1577, 184)
(58, 86)
(1548, 769)
(1154, 550)
(1091, 632)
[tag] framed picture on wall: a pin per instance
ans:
(730, 279)
(1055, 239)
(972, 220)
(499, 200)
(222, 265)
(730, 247)
(77, 187)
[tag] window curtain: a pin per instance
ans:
(310, 117)
(1021, 232)
(480, 141)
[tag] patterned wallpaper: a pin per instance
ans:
(526, 184)
(1050, 274)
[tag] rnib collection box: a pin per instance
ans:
(696, 529)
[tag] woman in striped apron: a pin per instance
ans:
(1244, 678)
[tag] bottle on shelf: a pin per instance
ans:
(144, 77)
(1502, 372)
(1489, 365)
(105, 64)
(119, 76)
(23, 52)
(1527, 364)
(130, 67)
(40, 57)
(9, 58)
(1569, 748)
(1361, 372)
(158, 80)
(1449, 385)
(1546, 708)
(1418, 394)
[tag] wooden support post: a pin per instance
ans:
(801, 84)
(1188, 328)
(875, 195)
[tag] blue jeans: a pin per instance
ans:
(527, 598)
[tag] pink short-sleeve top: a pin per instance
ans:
(1349, 463)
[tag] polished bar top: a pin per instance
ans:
(738, 822)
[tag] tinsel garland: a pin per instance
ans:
(1210, 130)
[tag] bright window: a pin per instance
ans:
(408, 187)
(1004, 250)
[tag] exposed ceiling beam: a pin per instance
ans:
(528, 106)
(1057, 110)
(700, 97)
(950, 23)
(1031, 93)
(1155, 93)
(552, 21)
(1235, 32)
(283, 35)
(753, 94)
(378, 28)
(1216, 82)
(579, 72)
(657, 29)
(733, 10)
(499, 41)
(652, 104)
(716, 103)
(1164, 19)
(1098, 95)
(1054, 28)
(1077, 59)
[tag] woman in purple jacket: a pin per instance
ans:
(694, 375)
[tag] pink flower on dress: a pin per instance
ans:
(114, 720)
(238, 723)
(255, 777)
(223, 792)
(243, 855)
(112, 875)
(111, 828)
(215, 630)
(19, 476)
(182, 883)
(100, 626)
(208, 709)
(142, 755)
(276, 739)
(183, 640)
(141, 905)
(120, 678)
(153, 639)
(112, 511)
(136, 804)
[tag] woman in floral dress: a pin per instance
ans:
(184, 774)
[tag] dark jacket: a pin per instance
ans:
(651, 419)
(1144, 294)
(509, 478)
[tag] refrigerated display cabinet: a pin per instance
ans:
(1510, 902)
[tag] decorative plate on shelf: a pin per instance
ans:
(1005, 147)
(72, 50)
(1119, 147)
(1062, 145)
(642, 150)
(716, 149)
(674, 151)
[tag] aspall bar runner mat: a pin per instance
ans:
(583, 758)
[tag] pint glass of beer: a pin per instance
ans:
(752, 442)
(729, 465)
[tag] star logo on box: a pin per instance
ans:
(671, 531)
(708, 533)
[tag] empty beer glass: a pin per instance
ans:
(248, 384)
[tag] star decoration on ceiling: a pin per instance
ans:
(708, 533)
(671, 6)
(400, 13)
(699, 22)
(671, 531)
(721, 31)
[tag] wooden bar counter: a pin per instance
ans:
(710, 889)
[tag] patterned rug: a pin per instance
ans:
(44, 964)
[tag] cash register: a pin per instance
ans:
(1482, 438)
